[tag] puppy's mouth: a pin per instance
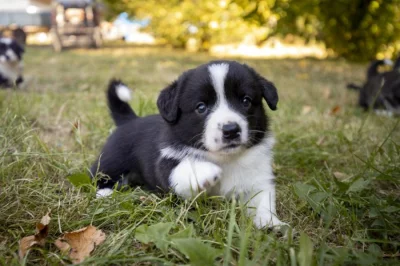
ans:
(231, 148)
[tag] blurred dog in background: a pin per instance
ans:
(381, 91)
(11, 64)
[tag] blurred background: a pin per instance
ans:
(357, 30)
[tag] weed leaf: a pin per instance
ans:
(79, 179)
(199, 253)
(157, 234)
(358, 185)
(185, 233)
(306, 250)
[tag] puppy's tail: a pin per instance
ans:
(118, 95)
(373, 67)
(352, 86)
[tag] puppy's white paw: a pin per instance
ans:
(104, 192)
(269, 221)
(191, 177)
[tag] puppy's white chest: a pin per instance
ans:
(10, 70)
(249, 172)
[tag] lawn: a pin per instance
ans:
(337, 168)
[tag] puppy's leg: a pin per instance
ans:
(111, 171)
(190, 177)
(262, 206)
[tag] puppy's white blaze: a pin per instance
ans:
(388, 62)
(218, 74)
(7, 41)
(123, 93)
(221, 114)
(104, 192)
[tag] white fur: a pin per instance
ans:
(104, 192)
(388, 62)
(181, 153)
(221, 114)
(191, 176)
(11, 70)
(123, 93)
(247, 175)
(6, 41)
(11, 55)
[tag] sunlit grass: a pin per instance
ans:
(338, 169)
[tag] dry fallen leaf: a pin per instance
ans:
(80, 243)
(335, 110)
(306, 109)
(326, 93)
(320, 141)
(340, 176)
(39, 238)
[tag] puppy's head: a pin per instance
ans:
(218, 107)
(10, 50)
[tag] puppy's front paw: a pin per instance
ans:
(269, 221)
(191, 177)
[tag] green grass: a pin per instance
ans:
(337, 173)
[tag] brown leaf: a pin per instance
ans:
(320, 141)
(335, 110)
(306, 109)
(80, 243)
(340, 176)
(327, 93)
(39, 238)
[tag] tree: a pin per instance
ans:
(354, 29)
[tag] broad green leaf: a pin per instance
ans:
(303, 190)
(306, 250)
(391, 209)
(79, 179)
(157, 234)
(142, 235)
(358, 185)
(199, 253)
(185, 233)
(316, 199)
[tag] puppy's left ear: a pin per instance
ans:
(270, 93)
(268, 88)
(168, 102)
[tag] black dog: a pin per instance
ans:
(381, 91)
(212, 134)
(11, 65)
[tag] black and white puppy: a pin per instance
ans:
(212, 135)
(381, 91)
(11, 65)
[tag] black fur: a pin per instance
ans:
(132, 153)
(10, 66)
(381, 90)
(120, 111)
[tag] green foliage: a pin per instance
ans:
(198, 252)
(79, 179)
(306, 251)
(357, 226)
(356, 30)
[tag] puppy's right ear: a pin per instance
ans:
(168, 103)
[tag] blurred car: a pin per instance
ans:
(76, 22)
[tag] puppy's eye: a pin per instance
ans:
(246, 101)
(201, 108)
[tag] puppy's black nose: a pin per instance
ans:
(231, 131)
